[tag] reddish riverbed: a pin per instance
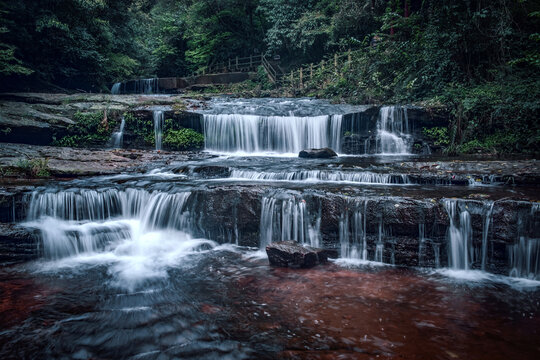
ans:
(222, 304)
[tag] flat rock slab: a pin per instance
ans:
(324, 153)
(292, 254)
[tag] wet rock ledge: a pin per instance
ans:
(294, 255)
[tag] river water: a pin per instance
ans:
(168, 263)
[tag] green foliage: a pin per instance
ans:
(89, 129)
(141, 128)
(216, 30)
(183, 139)
(38, 167)
(439, 135)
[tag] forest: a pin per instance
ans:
(479, 59)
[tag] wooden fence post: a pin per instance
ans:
(301, 79)
(335, 62)
(237, 63)
(229, 65)
(311, 72)
(250, 61)
(322, 65)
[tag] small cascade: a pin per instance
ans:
(421, 243)
(287, 219)
(159, 123)
(488, 210)
(393, 132)
(116, 88)
(73, 222)
(147, 86)
(379, 246)
(117, 137)
(281, 134)
(459, 236)
(141, 86)
(352, 230)
(524, 255)
(363, 177)
(437, 255)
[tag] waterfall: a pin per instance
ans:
(379, 246)
(141, 86)
(459, 236)
(363, 177)
(159, 123)
(393, 132)
(421, 242)
(281, 134)
(352, 230)
(73, 222)
(524, 255)
(525, 258)
(147, 86)
(488, 210)
(117, 137)
(288, 220)
(116, 88)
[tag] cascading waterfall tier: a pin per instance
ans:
(353, 230)
(288, 219)
(524, 255)
(159, 123)
(141, 86)
(74, 222)
(362, 177)
(393, 131)
(459, 236)
(279, 134)
(80, 221)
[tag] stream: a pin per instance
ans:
(170, 263)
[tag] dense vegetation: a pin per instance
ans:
(478, 58)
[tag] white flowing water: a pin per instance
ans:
(115, 90)
(159, 123)
(362, 177)
(118, 136)
(147, 86)
(279, 134)
(138, 233)
(524, 255)
(287, 219)
(352, 230)
(393, 131)
(488, 210)
(459, 236)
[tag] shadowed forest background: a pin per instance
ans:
(478, 59)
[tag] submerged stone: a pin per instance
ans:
(294, 255)
(324, 153)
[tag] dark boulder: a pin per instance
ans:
(294, 255)
(324, 153)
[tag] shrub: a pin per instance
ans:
(183, 139)
(439, 135)
(33, 167)
(90, 129)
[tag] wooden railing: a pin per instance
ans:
(298, 78)
(337, 64)
(242, 64)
